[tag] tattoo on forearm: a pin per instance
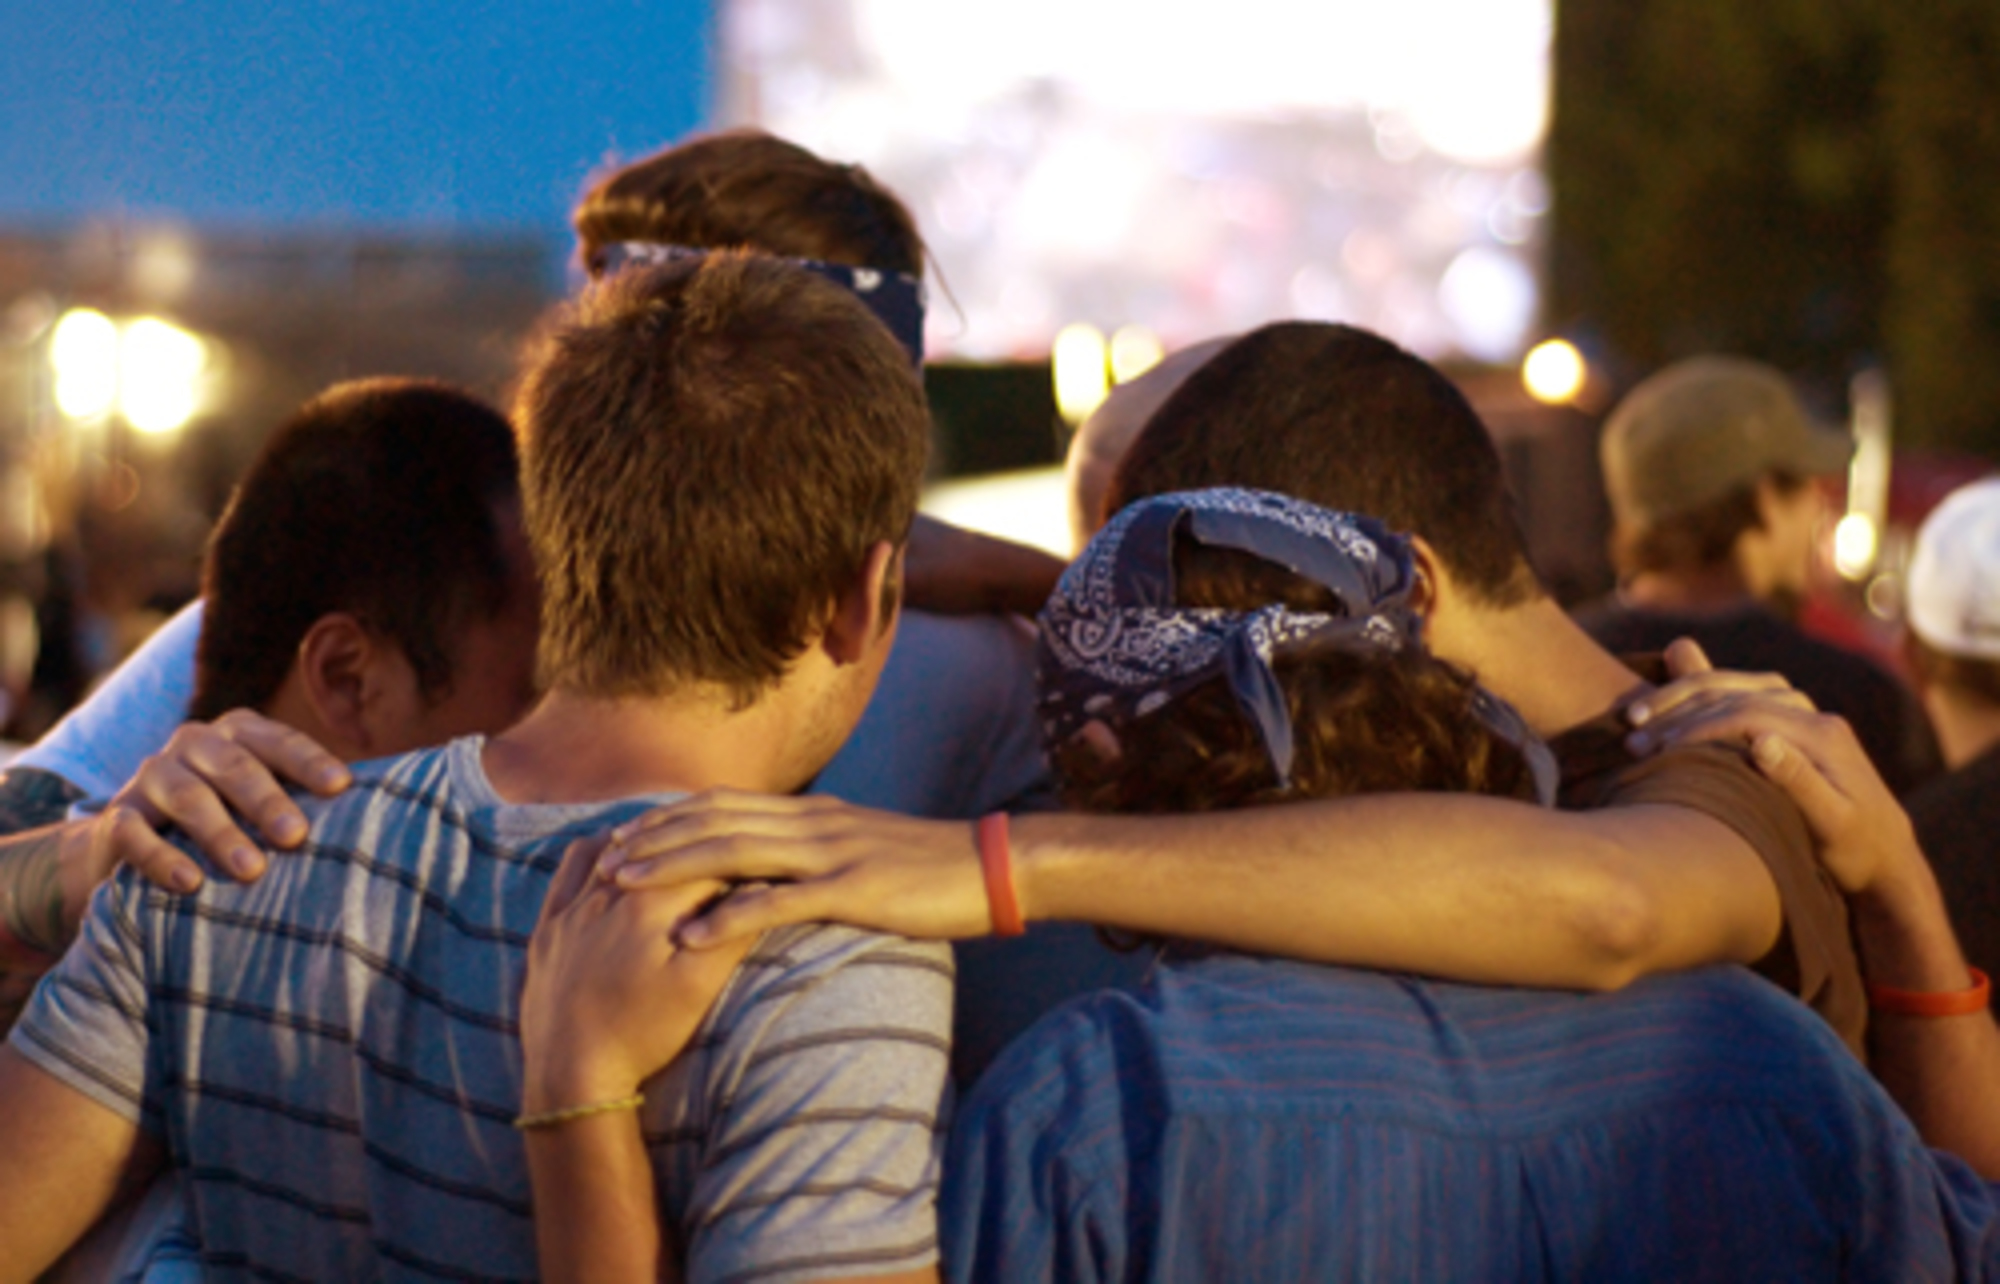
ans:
(31, 798)
(31, 907)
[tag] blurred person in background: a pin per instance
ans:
(1713, 471)
(1952, 616)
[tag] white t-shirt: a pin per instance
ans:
(100, 743)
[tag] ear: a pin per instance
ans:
(1433, 588)
(343, 669)
(864, 613)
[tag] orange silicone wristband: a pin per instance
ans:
(996, 861)
(1944, 1003)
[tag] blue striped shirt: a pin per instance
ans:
(1251, 1119)
(331, 1055)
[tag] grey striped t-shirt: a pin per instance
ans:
(330, 1054)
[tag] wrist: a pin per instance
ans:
(569, 1076)
(1904, 934)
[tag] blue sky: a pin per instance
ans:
(441, 114)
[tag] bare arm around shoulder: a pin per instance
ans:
(1458, 886)
(65, 1160)
(1942, 1070)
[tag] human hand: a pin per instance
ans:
(1698, 685)
(823, 860)
(609, 998)
(1862, 835)
(205, 770)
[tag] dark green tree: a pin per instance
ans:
(1812, 182)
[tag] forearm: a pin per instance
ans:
(595, 1216)
(1457, 886)
(1941, 1070)
(33, 927)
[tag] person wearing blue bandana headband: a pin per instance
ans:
(1246, 1117)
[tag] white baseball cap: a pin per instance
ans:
(1953, 592)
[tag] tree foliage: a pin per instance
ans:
(1812, 182)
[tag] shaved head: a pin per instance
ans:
(1103, 438)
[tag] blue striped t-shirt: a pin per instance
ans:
(331, 1055)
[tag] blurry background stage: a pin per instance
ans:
(209, 211)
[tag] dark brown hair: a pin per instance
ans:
(1698, 537)
(1347, 420)
(379, 497)
(1361, 723)
(746, 189)
(709, 450)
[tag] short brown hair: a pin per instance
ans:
(1345, 419)
(747, 189)
(385, 498)
(1695, 538)
(1361, 723)
(709, 449)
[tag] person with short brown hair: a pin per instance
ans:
(382, 966)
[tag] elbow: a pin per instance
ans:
(1619, 925)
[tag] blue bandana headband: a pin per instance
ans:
(1114, 646)
(896, 298)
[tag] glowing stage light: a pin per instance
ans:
(1134, 350)
(83, 353)
(1082, 371)
(1554, 372)
(159, 375)
(1855, 541)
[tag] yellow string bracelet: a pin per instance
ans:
(550, 1118)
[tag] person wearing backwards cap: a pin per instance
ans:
(1710, 467)
(1953, 645)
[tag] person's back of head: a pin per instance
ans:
(747, 189)
(1232, 648)
(391, 502)
(1704, 453)
(711, 449)
(1347, 420)
(1953, 597)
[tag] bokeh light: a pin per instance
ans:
(159, 375)
(1080, 365)
(83, 353)
(1554, 372)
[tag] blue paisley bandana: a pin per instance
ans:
(896, 298)
(1114, 647)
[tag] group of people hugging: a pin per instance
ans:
(619, 839)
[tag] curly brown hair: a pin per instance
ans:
(1361, 722)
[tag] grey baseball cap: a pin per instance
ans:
(1703, 427)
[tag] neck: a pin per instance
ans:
(1707, 588)
(1966, 728)
(1536, 658)
(292, 707)
(576, 748)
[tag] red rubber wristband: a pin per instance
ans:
(1945, 1003)
(996, 861)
